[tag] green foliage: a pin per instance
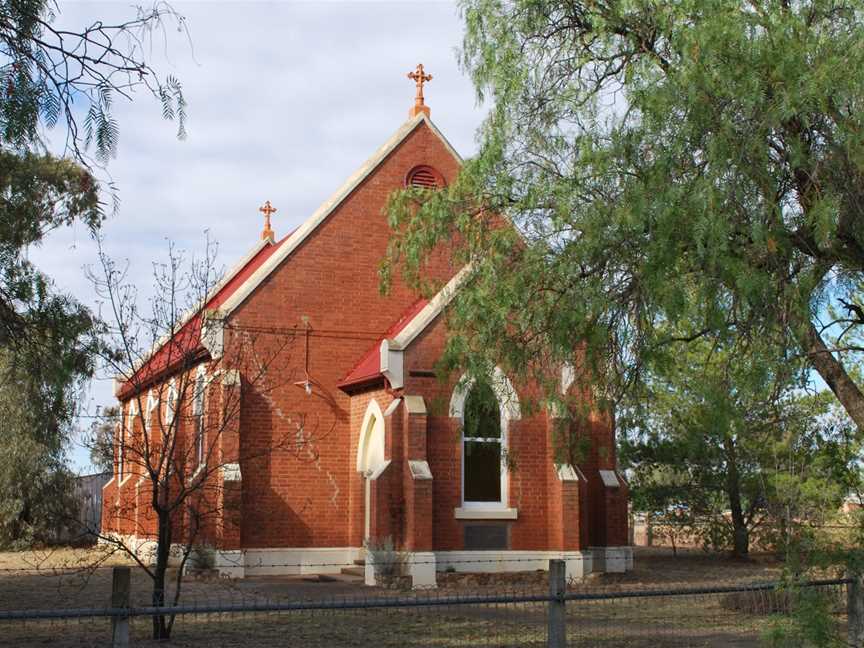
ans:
(732, 440)
(36, 489)
(49, 75)
(101, 439)
(45, 334)
(671, 169)
(810, 622)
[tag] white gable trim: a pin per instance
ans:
(302, 232)
(392, 360)
(430, 311)
(210, 327)
(293, 242)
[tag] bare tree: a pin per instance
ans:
(181, 372)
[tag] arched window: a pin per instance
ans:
(483, 445)
(126, 436)
(171, 404)
(151, 405)
(198, 414)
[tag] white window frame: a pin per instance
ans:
(118, 441)
(199, 407)
(126, 432)
(171, 403)
(152, 404)
(508, 406)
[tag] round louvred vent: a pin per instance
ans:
(424, 177)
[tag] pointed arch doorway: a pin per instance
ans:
(371, 461)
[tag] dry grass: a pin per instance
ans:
(631, 623)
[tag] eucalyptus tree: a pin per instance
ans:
(694, 166)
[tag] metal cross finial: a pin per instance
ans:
(420, 77)
(267, 209)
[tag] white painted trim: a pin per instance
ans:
(391, 364)
(213, 334)
(143, 548)
(568, 377)
(508, 406)
(569, 472)
(119, 380)
(311, 560)
(108, 483)
(197, 472)
(421, 569)
(392, 407)
(367, 435)
(419, 469)
(476, 512)
(296, 238)
(171, 407)
(329, 206)
(579, 563)
(231, 472)
(613, 560)
(391, 351)
(378, 471)
(430, 311)
(610, 479)
(415, 404)
(230, 377)
(508, 398)
(152, 404)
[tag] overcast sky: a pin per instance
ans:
(286, 100)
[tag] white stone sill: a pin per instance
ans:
(463, 513)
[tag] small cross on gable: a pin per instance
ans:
(267, 209)
(419, 77)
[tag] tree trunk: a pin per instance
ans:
(161, 630)
(740, 533)
(834, 375)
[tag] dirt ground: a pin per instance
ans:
(38, 580)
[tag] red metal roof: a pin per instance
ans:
(188, 339)
(369, 366)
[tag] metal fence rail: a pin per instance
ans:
(556, 618)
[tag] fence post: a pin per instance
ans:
(557, 632)
(855, 609)
(120, 590)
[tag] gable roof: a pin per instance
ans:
(329, 206)
(368, 368)
(168, 353)
(262, 260)
(385, 358)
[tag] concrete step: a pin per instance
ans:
(354, 571)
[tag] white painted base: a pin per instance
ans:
(613, 560)
(421, 567)
(143, 548)
(231, 564)
(311, 560)
(369, 571)
(578, 563)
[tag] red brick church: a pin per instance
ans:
(378, 446)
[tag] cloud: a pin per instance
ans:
(285, 101)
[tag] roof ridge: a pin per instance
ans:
(334, 201)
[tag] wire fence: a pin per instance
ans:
(545, 612)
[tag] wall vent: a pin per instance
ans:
(424, 177)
